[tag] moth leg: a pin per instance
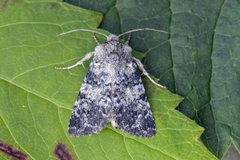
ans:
(140, 65)
(89, 55)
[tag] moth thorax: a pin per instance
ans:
(113, 59)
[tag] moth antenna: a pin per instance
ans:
(128, 38)
(142, 29)
(95, 38)
(87, 30)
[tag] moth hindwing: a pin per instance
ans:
(112, 91)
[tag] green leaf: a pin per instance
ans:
(36, 99)
(199, 62)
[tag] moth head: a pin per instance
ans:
(112, 37)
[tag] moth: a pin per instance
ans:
(112, 91)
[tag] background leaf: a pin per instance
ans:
(36, 100)
(199, 62)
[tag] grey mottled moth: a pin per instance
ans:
(112, 91)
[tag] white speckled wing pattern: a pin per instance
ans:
(131, 107)
(91, 109)
(112, 91)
